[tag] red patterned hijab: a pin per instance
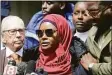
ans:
(59, 62)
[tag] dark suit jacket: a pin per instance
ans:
(29, 54)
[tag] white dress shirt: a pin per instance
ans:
(9, 52)
(82, 35)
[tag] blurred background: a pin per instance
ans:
(23, 9)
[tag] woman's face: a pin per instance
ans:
(81, 17)
(48, 36)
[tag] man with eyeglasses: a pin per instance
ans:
(99, 42)
(13, 34)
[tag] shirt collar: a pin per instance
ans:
(83, 36)
(9, 52)
(82, 32)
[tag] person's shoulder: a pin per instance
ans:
(77, 47)
(31, 50)
(31, 54)
(38, 14)
(3, 50)
(93, 31)
(37, 17)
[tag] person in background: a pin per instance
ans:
(83, 23)
(13, 34)
(5, 9)
(99, 41)
(63, 8)
(82, 20)
(54, 37)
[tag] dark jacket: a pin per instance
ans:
(77, 49)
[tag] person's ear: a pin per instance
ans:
(3, 39)
(62, 5)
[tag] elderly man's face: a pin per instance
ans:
(14, 37)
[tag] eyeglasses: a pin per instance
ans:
(48, 32)
(14, 31)
(95, 12)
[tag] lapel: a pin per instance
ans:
(3, 60)
(94, 49)
(93, 46)
(30, 54)
(93, 32)
(107, 39)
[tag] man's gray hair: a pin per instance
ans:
(11, 22)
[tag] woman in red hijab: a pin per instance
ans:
(55, 37)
